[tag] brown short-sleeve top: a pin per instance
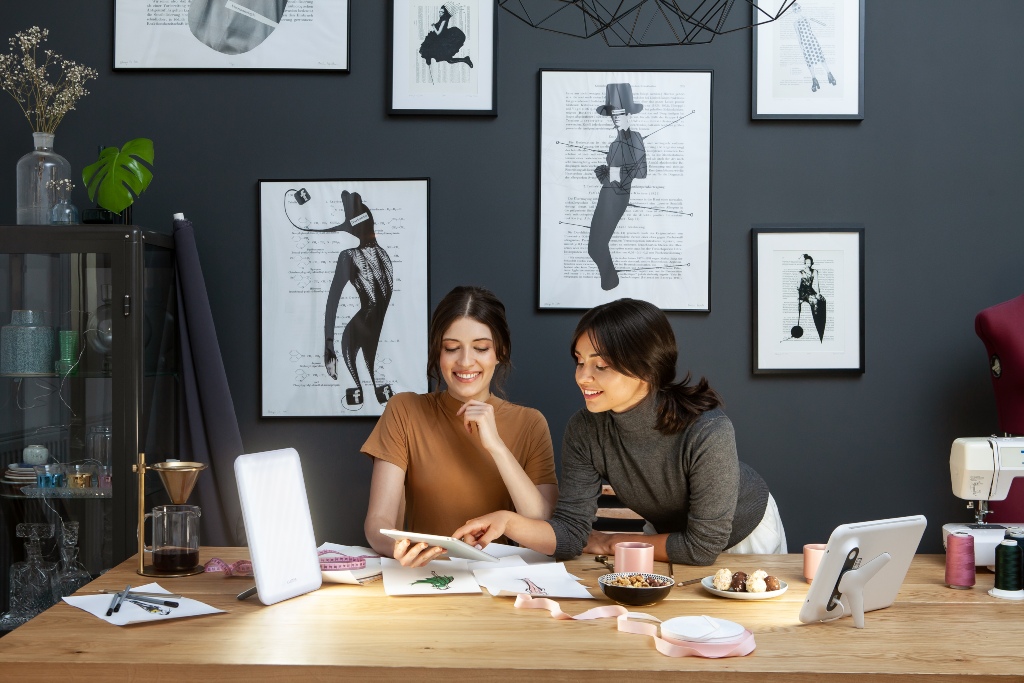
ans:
(449, 477)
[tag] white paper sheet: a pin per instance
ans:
(440, 577)
(131, 613)
(372, 571)
(539, 580)
(529, 556)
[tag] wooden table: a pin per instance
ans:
(357, 633)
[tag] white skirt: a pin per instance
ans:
(767, 538)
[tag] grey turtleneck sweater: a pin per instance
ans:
(690, 485)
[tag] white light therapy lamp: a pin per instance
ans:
(863, 568)
(278, 526)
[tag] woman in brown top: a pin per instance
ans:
(459, 452)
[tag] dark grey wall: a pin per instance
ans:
(931, 173)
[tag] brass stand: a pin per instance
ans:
(178, 478)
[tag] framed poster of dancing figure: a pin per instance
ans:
(809, 63)
(232, 34)
(808, 299)
(444, 56)
(625, 188)
(343, 294)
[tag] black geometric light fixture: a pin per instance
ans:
(646, 23)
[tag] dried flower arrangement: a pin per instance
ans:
(26, 80)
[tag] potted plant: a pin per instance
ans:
(117, 178)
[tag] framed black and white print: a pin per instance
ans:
(232, 34)
(809, 63)
(808, 299)
(344, 294)
(625, 188)
(443, 57)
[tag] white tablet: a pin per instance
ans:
(454, 546)
(277, 524)
(881, 551)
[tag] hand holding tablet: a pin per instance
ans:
(453, 546)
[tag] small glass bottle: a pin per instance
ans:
(63, 211)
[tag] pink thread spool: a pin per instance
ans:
(960, 560)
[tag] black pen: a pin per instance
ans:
(124, 595)
(115, 602)
(155, 601)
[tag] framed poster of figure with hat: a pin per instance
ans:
(625, 188)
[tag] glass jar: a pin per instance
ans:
(34, 171)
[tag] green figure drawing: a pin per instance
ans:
(438, 582)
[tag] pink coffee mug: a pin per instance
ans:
(813, 552)
(634, 557)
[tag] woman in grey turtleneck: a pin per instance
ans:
(666, 448)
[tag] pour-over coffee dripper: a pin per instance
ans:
(175, 547)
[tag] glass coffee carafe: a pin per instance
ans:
(175, 546)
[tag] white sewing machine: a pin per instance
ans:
(982, 469)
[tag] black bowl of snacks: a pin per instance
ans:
(636, 588)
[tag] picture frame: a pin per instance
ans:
(302, 35)
(809, 63)
(624, 212)
(808, 312)
(344, 294)
(443, 57)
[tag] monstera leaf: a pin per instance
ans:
(118, 177)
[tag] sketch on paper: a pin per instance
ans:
(436, 581)
(234, 28)
(442, 44)
(642, 229)
(809, 293)
(367, 267)
(340, 278)
(808, 299)
(814, 56)
(231, 34)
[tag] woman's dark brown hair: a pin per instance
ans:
(475, 303)
(635, 338)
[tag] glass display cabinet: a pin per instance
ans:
(88, 378)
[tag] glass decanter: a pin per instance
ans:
(32, 581)
(72, 574)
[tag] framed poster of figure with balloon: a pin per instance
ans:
(808, 299)
(443, 57)
(343, 294)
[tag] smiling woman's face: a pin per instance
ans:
(468, 359)
(603, 387)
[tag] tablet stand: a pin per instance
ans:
(852, 582)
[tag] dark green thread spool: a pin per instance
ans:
(1008, 566)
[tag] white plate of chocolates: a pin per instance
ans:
(740, 586)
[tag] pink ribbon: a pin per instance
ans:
(668, 646)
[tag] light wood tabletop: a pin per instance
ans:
(357, 632)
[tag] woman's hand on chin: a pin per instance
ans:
(481, 416)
